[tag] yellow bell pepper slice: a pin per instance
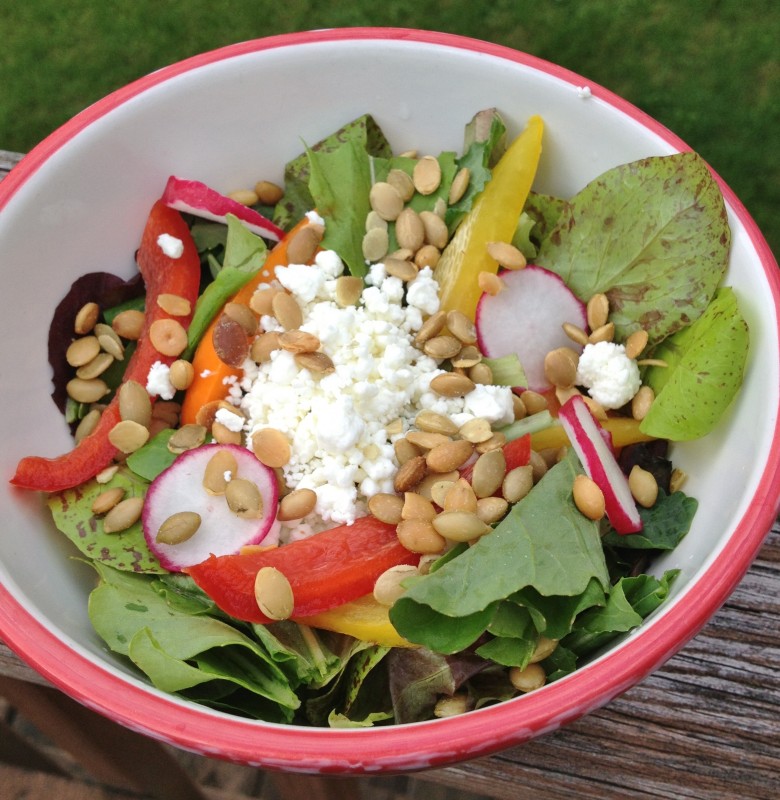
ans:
(363, 618)
(493, 218)
(624, 430)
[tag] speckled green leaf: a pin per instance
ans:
(652, 235)
(72, 513)
(706, 363)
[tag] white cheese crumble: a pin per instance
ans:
(232, 421)
(158, 381)
(170, 245)
(337, 422)
(584, 92)
(610, 376)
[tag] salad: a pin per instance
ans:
(392, 441)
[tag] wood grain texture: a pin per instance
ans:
(704, 726)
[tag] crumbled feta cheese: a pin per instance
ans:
(610, 376)
(337, 423)
(205, 373)
(584, 92)
(315, 218)
(158, 381)
(232, 421)
(170, 245)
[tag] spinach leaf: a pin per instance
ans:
(652, 235)
(544, 543)
(664, 524)
(154, 457)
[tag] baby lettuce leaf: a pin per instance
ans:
(72, 514)
(652, 235)
(706, 363)
(154, 457)
(339, 182)
(298, 200)
(544, 543)
(177, 650)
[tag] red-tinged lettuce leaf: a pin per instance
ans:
(419, 677)
(652, 235)
(95, 287)
(705, 367)
(72, 513)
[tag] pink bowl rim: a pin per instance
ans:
(404, 747)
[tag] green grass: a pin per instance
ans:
(707, 69)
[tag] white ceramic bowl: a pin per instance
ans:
(78, 202)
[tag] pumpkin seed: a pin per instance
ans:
(82, 351)
(373, 220)
(529, 679)
(489, 471)
(560, 366)
(296, 505)
(109, 340)
(86, 391)
(575, 333)
(181, 374)
(643, 485)
(460, 497)
(95, 368)
(178, 528)
(405, 450)
(605, 333)
(273, 594)
(348, 290)
(436, 232)
(419, 536)
(244, 498)
(188, 437)
(461, 327)
(401, 269)
(476, 430)
(636, 343)
(386, 507)
(303, 244)
(450, 384)
(167, 410)
(460, 526)
(490, 283)
(432, 422)
(174, 305)
(262, 299)
(106, 500)
(426, 175)
(588, 497)
(481, 373)
(107, 474)
(243, 315)
(507, 255)
(427, 256)
(271, 447)
(286, 310)
(86, 318)
(449, 456)
(426, 440)
(374, 245)
(319, 363)
(123, 515)
(432, 326)
(134, 403)
(388, 588)
(417, 507)
(491, 509)
(410, 474)
(459, 185)
(452, 706)
(533, 401)
(544, 649)
(87, 425)
(402, 183)
(129, 324)
(299, 342)
(268, 193)
(496, 441)
(386, 200)
(597, 310)
(441, 347)
(517, 483)
(440, 490)
(264, 345)
(222, 467)
(409, 230)
(468, 357)
(128, 435)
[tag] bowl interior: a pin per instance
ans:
(232, 117)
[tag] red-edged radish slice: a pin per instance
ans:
(585, 435)
(526, 318)
(222, 532)
(194, 197)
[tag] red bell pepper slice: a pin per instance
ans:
(325, 570)
(517, 453)
(162, 275)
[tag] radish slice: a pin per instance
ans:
(585, 435)
(221, 532)
(526, 319)
(194, 197)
